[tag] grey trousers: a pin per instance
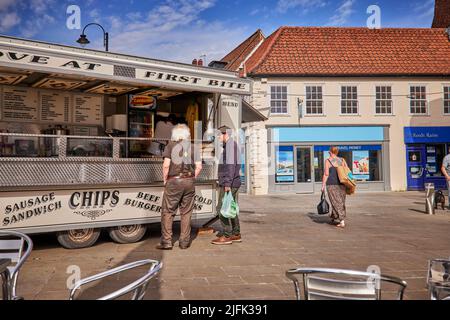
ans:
(178, 194)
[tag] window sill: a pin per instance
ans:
(282, 115)
(349, 115)
(314, 115)
(384, 115)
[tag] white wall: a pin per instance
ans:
(366, 95)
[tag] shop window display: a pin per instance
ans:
(434, 157)
(364, 161)
(284, 172)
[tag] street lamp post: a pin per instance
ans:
(83, 40)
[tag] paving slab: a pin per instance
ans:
(389, 230)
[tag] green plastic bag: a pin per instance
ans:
(230, 208)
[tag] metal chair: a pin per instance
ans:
(17, 247)
(438, 279)
(138, 287)
(341, 284)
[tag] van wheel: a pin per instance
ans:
(79, 238)
(127, 234)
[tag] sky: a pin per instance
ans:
(181, 30)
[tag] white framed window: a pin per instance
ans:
(383, 100)
(447, 99)
(314, 100)
(278, 99)
(418, 103)
(349, 100)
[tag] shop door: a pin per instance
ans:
(415, 162)
(304, 170)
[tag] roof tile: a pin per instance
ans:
(352, 51)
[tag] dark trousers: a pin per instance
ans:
(230, 227)
(178, 194)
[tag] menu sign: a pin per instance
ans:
(55, 107)
(32, 105)
(88, 110)
(20, 104)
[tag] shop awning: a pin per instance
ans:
(250, 114)
(98, 71)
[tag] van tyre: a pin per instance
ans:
(79, 238)
(127, 234)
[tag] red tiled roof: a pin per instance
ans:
(235, 58)
(441, 14)
(327, 51)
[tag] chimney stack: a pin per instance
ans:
(200, 62)
(195, 62)
(441, 14)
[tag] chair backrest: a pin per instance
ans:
(137, 287)
(17, 247)
(438, 278)
(339, 284)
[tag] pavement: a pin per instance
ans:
(387, 230)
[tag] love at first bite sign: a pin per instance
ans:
(153, 72)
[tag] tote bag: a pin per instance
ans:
(346, 178)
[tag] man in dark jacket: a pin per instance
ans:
(229, 181)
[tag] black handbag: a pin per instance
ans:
(323, 207)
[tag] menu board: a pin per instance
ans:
(55, 107)
(88, 110)
(20, 104)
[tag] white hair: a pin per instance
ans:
(181, 132)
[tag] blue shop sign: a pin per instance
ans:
(427, 134)
(350, 148)
(327, 134)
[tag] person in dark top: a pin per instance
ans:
(182, 164)
(335, 189)
(229, 181)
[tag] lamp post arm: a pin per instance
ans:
(93, 23)
(105, 34)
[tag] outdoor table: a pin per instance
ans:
(4, 273)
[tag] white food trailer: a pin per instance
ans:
(76, 127)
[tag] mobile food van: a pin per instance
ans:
(76, 127)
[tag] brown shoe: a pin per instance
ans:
(236, 238)
(222, 241)
(164, 246)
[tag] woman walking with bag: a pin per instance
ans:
(335, 189)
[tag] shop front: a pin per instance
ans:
(298, 156)
(80, 144)
(426, 148)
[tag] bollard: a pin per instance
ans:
(429, 200)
